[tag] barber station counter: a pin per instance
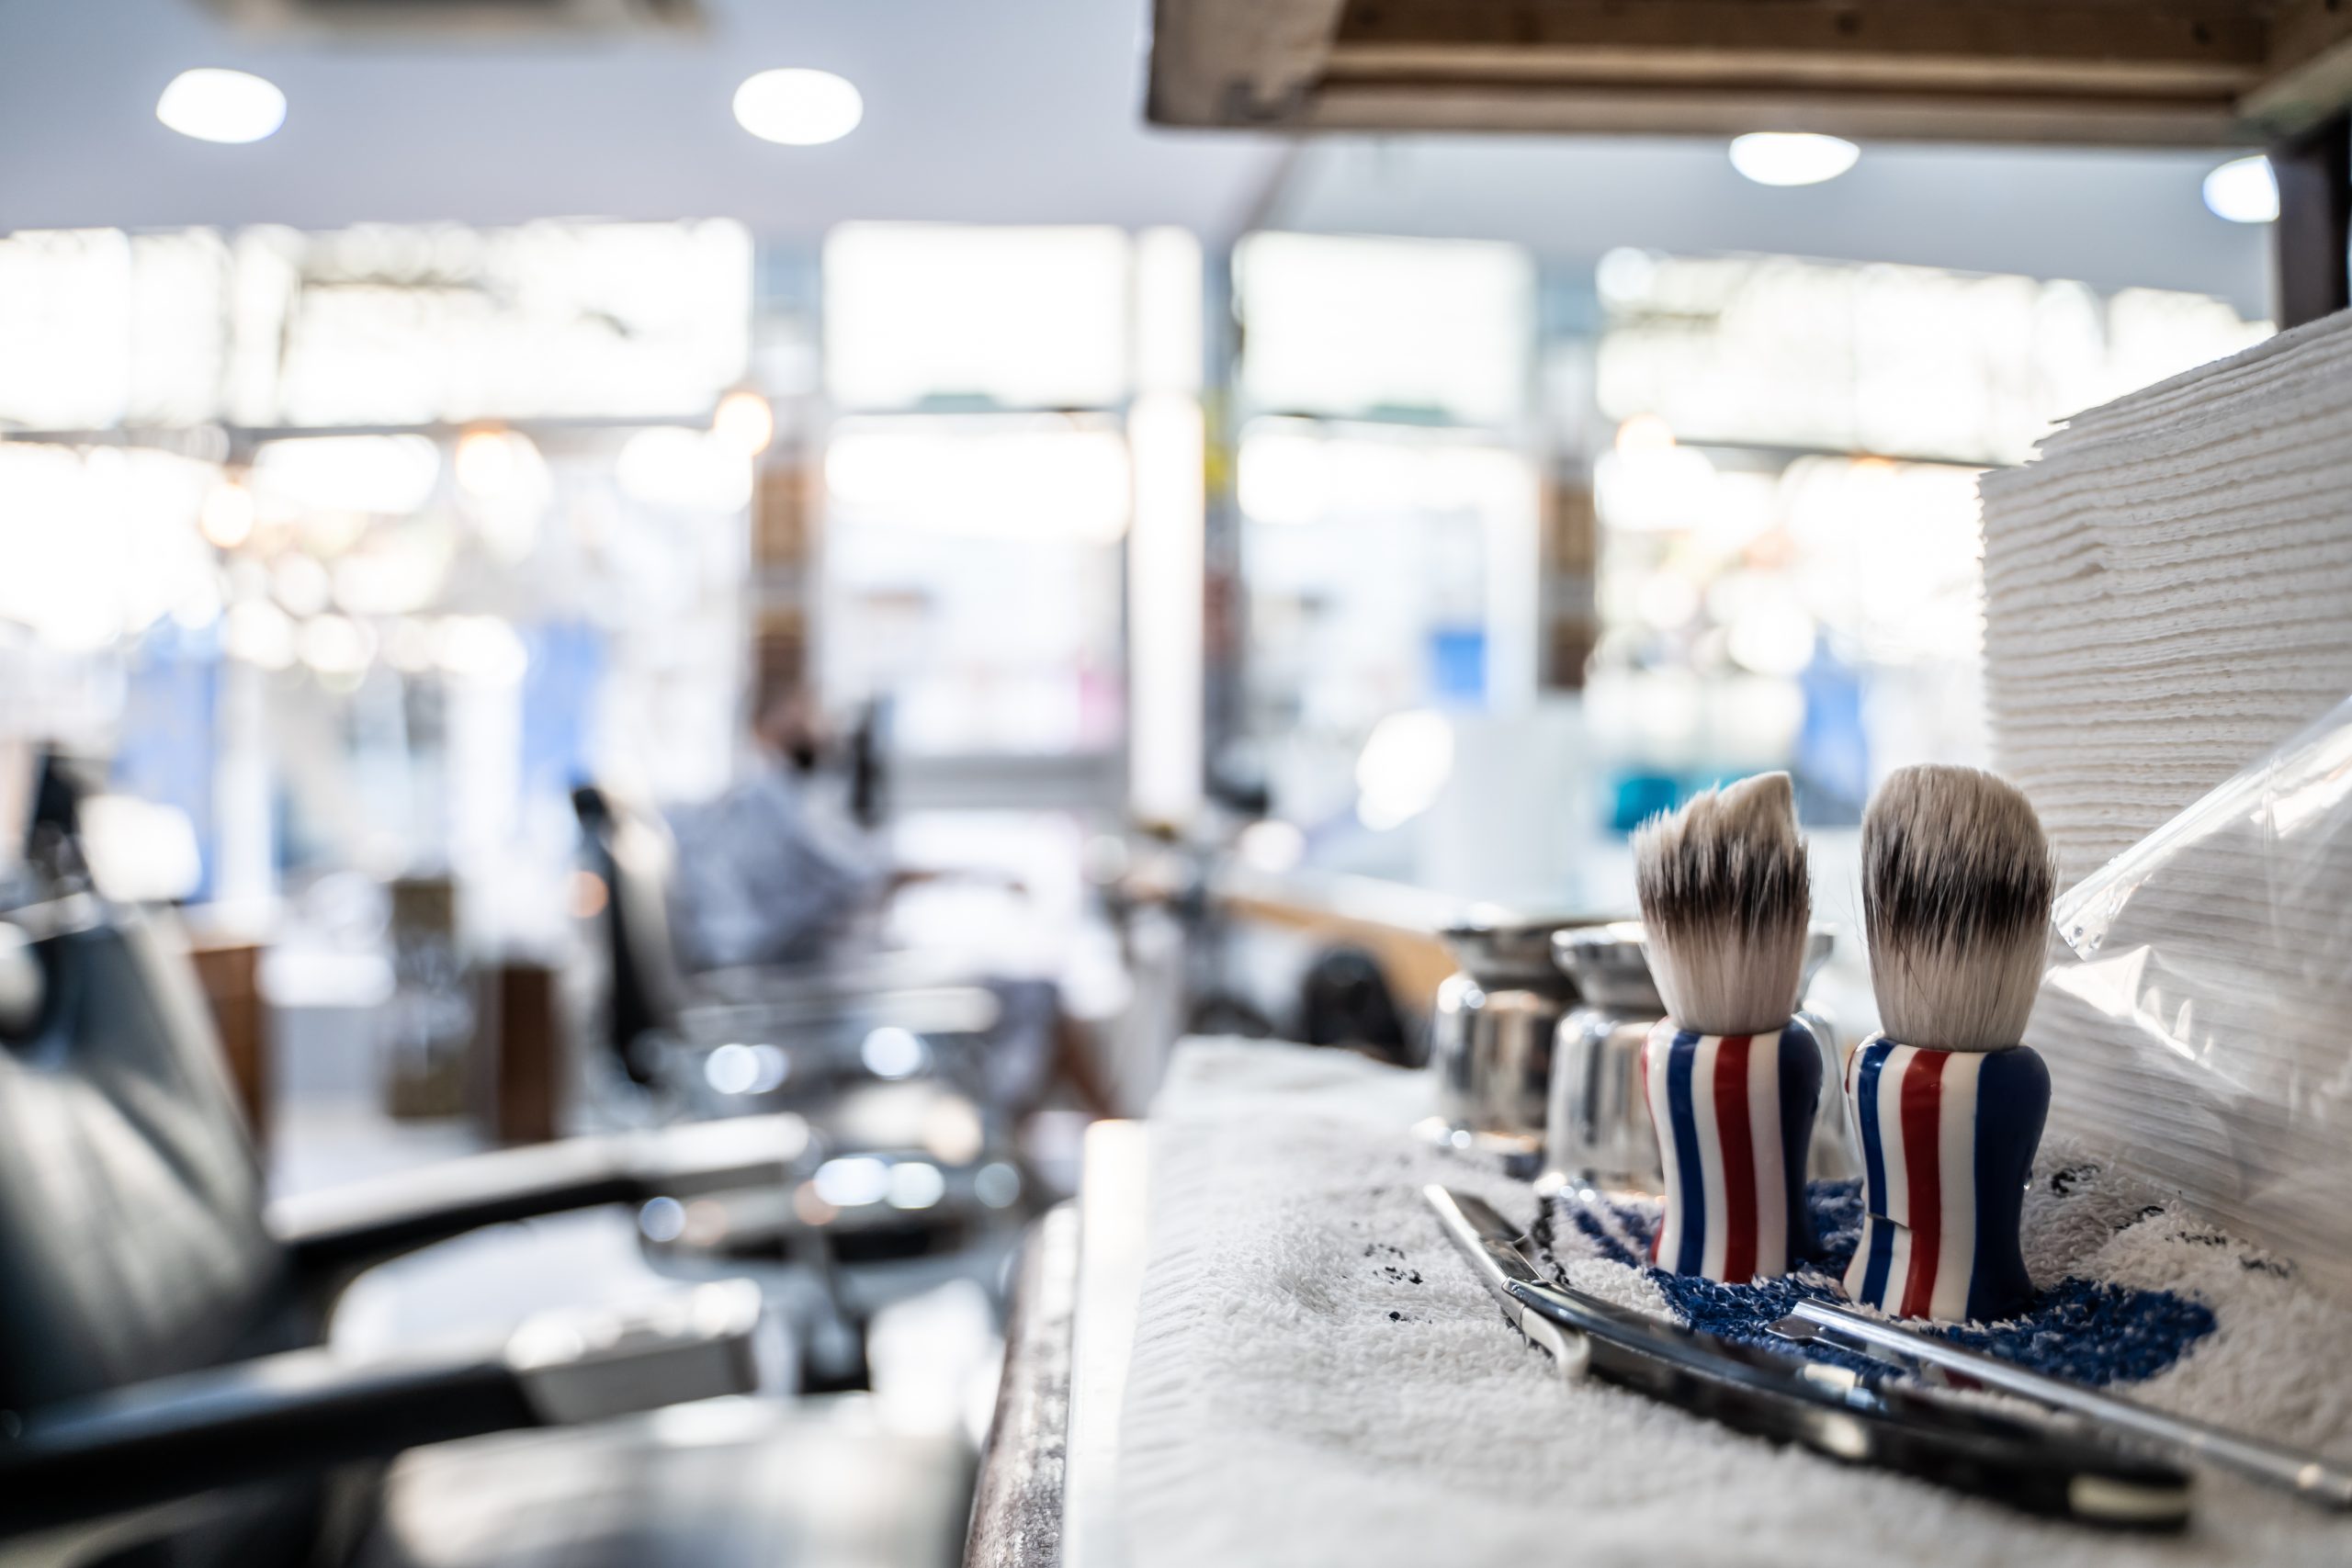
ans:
(1257, 1348)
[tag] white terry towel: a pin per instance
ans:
(1318, 1379)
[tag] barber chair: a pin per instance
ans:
(817, 1020)
(910, 1180)
(166, 1398)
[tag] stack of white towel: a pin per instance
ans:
(2169, 589)
(2169, 597)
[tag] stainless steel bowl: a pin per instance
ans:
(1493, 1025)
(1607, 959)
(1607, 964)
(1500, 947)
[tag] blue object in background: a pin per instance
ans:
(171, 694)
(1635, 797)
(1833, 758)
(566, 664)
(1458, 665)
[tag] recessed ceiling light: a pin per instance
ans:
(1792, 157)
(213, 105)
(800, 109)
(2244, 191)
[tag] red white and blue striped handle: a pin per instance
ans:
(1734, 1115)
(1948, 1140)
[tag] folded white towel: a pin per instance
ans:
(2166, 588)
(2168, 594)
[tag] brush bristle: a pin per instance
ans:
(1957, 880)
(1726, 897)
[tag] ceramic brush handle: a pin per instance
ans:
(1948, 1139)
(1734, 1115)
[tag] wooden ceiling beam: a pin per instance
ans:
(2121, 72)
(1237, 62)
(2310, 74)
(2222, 42)
(1603, 65)
(1546, 110)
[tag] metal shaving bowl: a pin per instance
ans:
(1492, 1028)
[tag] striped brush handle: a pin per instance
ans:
(1734, 1115)
(1948, 1140)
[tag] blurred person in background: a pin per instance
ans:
(782, 869)
(777, 869)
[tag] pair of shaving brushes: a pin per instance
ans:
(1730, 1076)
(1957, 880)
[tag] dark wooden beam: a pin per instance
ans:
(2182, 73)
(2314, 230)
(1237, 62)
(1548, 108)
(2211, 48)
(2308, 78)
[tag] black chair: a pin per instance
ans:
(164, 1399)
(660, 1023)
(1344, 1001)
(642, 983)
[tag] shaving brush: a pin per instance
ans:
(1729, 1076)
(1957, 880)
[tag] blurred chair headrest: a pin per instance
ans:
(59, 785)
(589, 804)
(23, 987)
(632, 847)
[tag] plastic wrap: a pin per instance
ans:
(2201, 1028)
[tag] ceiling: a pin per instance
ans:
(1022, 111)
(1016, 111)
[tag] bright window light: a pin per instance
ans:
(213, 104)
(493, 464)
(1044, 478)
(648, 320)
(853, 1181)
(1344, 325)
(798, 109)
(1791, 158)
(139, 851)
(915, 1185)
(261, 634)
(744, 421)
(2244, 191)
(227, 519)
(97, 545)
(1032, 318)
(1166, 434)
(335, 645)
(891, 1052)
(1285, 475)
(382, 475)
(1403, 768)
(689, 471)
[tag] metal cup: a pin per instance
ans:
(1596, 1131)
(1492, 1028)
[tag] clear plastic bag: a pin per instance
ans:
(2202, 1028)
